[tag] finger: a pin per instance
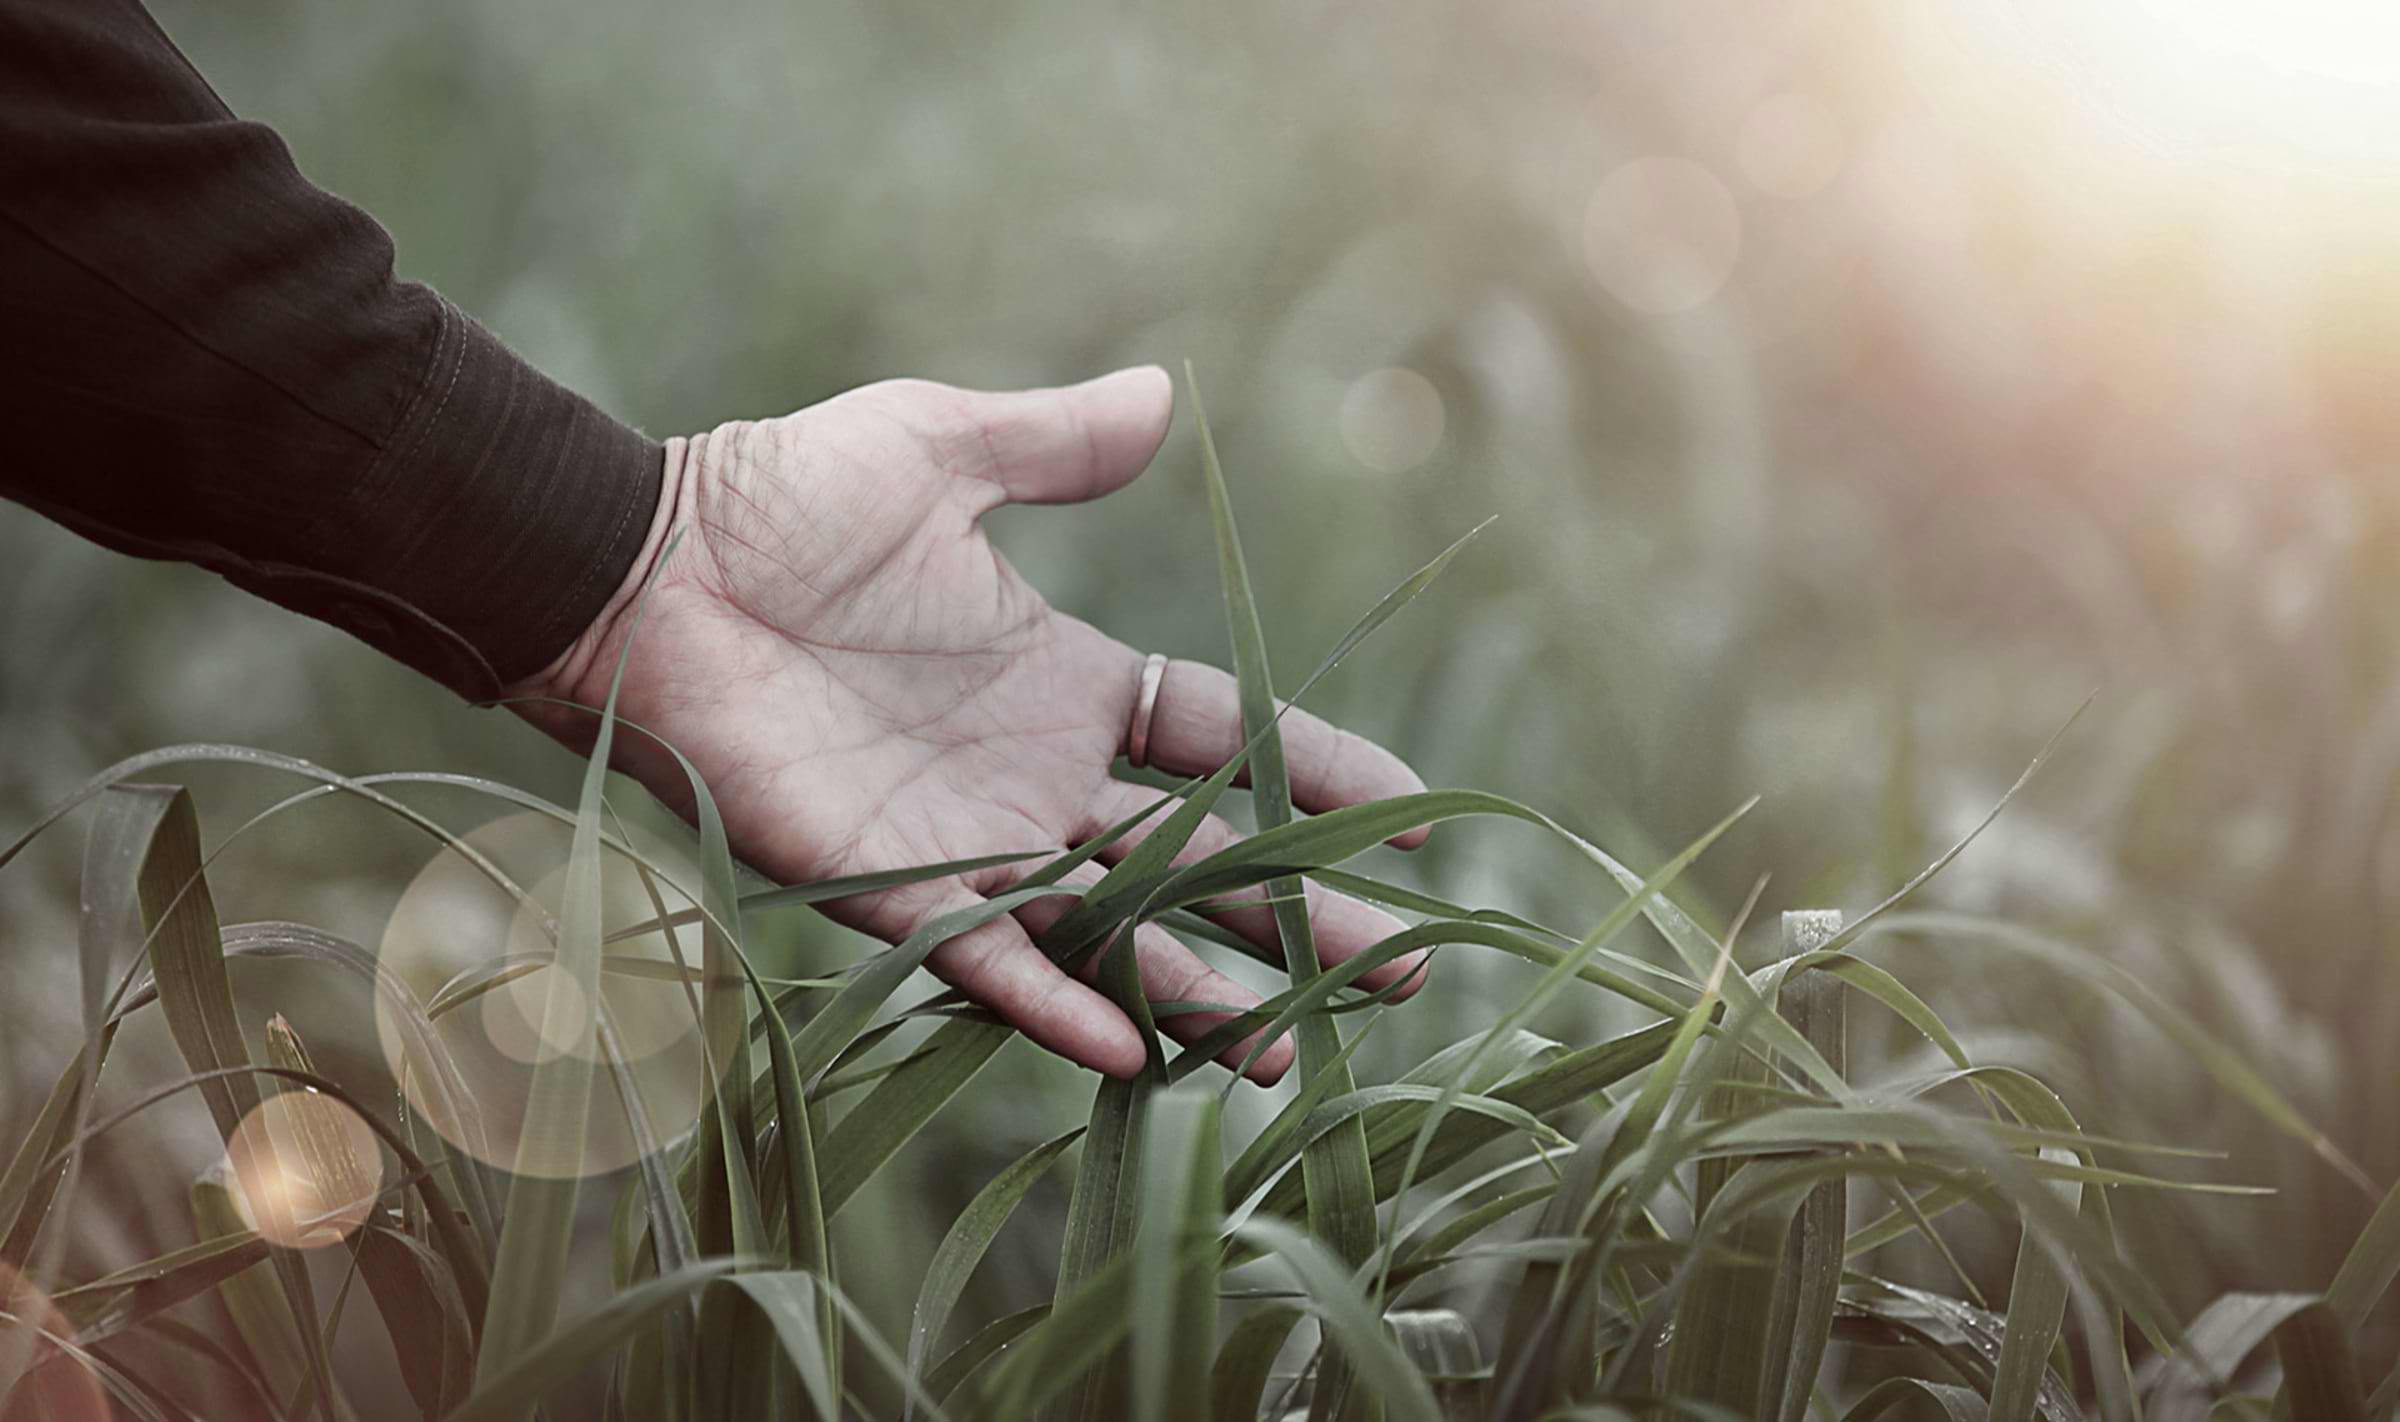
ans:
(1196, 726)
(1171, 972)
(998, 966)
(1065, 445)
(1342, 927)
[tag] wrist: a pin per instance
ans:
(581, 672)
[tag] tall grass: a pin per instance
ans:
(1694, 1213)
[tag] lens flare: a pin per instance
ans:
(455, 931)
(40, 1378)
(1392, 419)
(2302, 86)
(305, 1169)
(526, 1024)
(1662, 235)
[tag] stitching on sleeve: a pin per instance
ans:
(591, 569)
(373, 480)
(458, 362)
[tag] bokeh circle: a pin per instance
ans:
(480, 960)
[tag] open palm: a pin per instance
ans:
(867, 685)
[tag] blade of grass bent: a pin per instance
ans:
(109, 919)
(1340, 1182)
(1528, 1345)
(2219, 1060)
(2320, 1373)
(187, 955)
(1128, 881)
(529, 1271)
(673, 1242)
(902, 1103)
(1238, 1383)
(970, 1236)
(1556, 978)
(1350, 1319)
(2360, 1282)
(511, 1392)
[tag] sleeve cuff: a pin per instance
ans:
(500, 518)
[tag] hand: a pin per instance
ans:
(867, 685)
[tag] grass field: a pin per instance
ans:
(1690, 1217)
(2038, 370)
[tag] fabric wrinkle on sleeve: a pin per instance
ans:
(208, 358)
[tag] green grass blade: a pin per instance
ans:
(1958, 1404)
(1175, 1256)
(2367, 1271)
(2320, 1374)
(1278, 1142)
(1075, 1340)
(423, 1054)
(423, 1315)
(1339, 1180)
(529, 1267)
(838, 1022)
(733, 1122)
(2216, 1343)
(967, 1360)
(789, 1302)
(1907, 891)
(902, 1103)
(2037, 1310)
(1350, 1320)
(1332, 1115)
(125, 1298)
(565, 1351)
(2220, 1061)
(1556, 978)
(2360, 1283)
(1102, 1215)
(1238, 1383)
(254, 1301)
(1812, 1002)
(1725, 1350)
(187, 956)
(674, 1240)
(969, 1238)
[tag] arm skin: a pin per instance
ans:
(204, 357)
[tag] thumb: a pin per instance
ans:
(1076, 442)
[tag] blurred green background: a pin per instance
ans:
(1858, 387)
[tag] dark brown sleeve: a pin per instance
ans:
(204, 357)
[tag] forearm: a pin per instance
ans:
(205, 357)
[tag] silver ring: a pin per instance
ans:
(1145, 706)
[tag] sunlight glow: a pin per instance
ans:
(306, 1169)
(2304, 82)
(54, 1385)
(2351, 41)
(454, 926)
